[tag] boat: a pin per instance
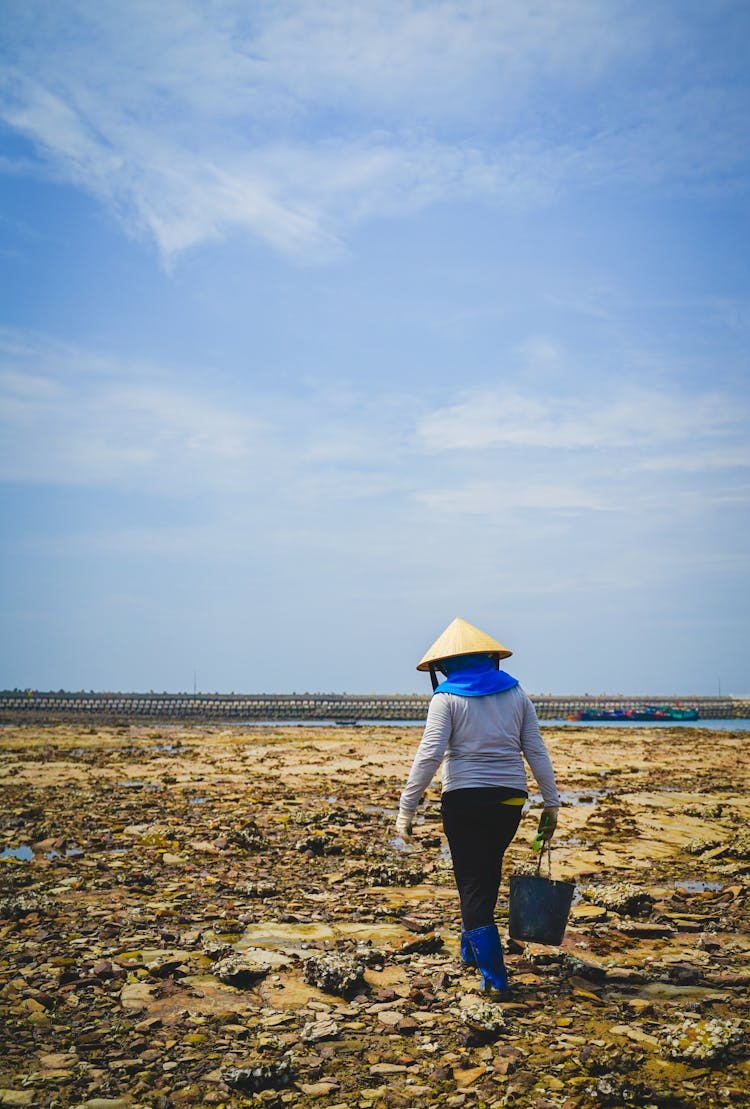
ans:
(644, 713)
(601, 714)
(664, 712)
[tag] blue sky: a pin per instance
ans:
(325, 323)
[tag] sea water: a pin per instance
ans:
(727, 725)
(734, 724)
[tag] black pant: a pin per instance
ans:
(479, 828)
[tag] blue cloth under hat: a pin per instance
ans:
(474, 676)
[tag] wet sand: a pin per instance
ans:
(223, 917)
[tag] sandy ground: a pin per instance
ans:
(223, 916)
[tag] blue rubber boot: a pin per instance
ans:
(467, 954)
(485, 943)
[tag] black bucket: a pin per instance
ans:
(539, 908)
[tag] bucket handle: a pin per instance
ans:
(546, 846)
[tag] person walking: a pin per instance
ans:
(480, 726)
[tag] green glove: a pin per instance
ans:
(546, 829)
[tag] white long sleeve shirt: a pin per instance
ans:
(481, 741)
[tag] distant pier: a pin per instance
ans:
(46, 708)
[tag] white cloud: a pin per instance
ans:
(495, 498)
(293, 121)
(75, 417)
(637, 418)
(70, 416)
(704, 458)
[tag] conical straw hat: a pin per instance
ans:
(462, 638)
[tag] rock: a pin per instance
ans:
(620, 897)
(136, 995)
(704, 844)
(58, 1060)
(612, 1090)
(106, 1103)
(312, 845)
(239, 971)
(316, 1031)
(168, 966)
(468, 1076)
(150, 1024)
(31, 1005)
(249, 838)
(505, 1065)
(740, 979)
(588, 912)
(527, 980)
(407, 1026)
(646, 931)
(683, 975)
(260, 889)
(17, 1097)
(421, 945)
(261, 1076)
(104, 968)
(626, 974)
(634, 1033)
(700, 1041)
(418, 923)
(387, 874)
(370, 956)
(318, 1089)
(484, 1020)
(583, 969)
(739, 846)
(23, 905)
(215, 949)
(334, 973)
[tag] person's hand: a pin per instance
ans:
(547, 823)
(404, 822)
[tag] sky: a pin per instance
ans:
(324, 323)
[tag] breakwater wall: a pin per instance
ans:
(27, 707)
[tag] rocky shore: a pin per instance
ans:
(222, 916)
